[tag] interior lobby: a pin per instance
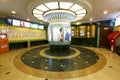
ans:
(59, 40)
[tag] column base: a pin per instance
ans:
(59, 48)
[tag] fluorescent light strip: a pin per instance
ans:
(65, 5)
(81, 15)
(41, 18)
(52, 5)
(76, 7)
(37, 15)
(37, 11)
(81, 11)
(79, 18)
(42, 7)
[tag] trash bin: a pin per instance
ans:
(4, 47)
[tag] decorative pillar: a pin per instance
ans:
(59, 15)
(98, 36)
(59, 29)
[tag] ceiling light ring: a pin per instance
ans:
(83, 3)
(58, 9)
(61, 10)
(59, 16)
(76, 12)
(64, 9)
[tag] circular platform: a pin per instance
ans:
(59, 55)
(41, 61)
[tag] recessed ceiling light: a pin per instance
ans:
(91, 19)
(13, 12)
(28, 19)
(77, 23)
(105, 12)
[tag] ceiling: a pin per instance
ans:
(97, 8)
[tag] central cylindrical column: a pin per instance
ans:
(59, 36)
(59, 29)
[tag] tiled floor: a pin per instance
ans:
(109, 71)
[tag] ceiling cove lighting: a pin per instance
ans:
(62, 11)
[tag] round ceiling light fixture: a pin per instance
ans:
(59, 11)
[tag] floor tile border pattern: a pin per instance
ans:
(60, 75)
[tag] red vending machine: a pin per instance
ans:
(4, 45)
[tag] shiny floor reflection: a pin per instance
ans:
(12, 68)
